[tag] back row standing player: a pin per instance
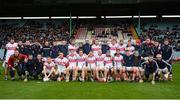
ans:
(113, 46)
(167, 53)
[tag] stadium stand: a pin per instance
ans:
(33, 30)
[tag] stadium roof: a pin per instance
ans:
(88, 7)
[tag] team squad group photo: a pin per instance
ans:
(89, 49)
(110, 60)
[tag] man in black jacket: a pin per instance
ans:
(38, 66)
(37, 49)
(64, 48)
(164, 67)
(46, 49)
(167, 53)
(150, 66)
(54, 50)
(29, 66)
(86, 47)
(34, 66)
(27, 50)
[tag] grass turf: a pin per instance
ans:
(89, 90)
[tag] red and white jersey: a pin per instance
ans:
(108, 60)
(100, 59)
(72, 47)
(131, 49)
(72, 58)
(10, 49)
(113, 48)
(95, 49)
(61, 61)
(81, 59)
(91, 60)
(49, 66)
(118, 60)
(122, 48)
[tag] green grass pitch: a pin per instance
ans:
(89, 90)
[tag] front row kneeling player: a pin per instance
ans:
(118, 65)
(128, 63)
(81, 65)
(150, 67)
(16, 62)
(101, 72)
(61, 63)
(137, 66)
(164, 67)
(108, 60)
(38, 67)
(91, 66)
(72, 68)
(49, 65)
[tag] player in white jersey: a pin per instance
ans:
(118, 64)
(109, 66)
(81, 64)
(96, 47)
(113, 46)
(72, 57)
(10, 49)
(122, 47)
(49, 65)
(130, 48)
(61, 62)
(91, 65)
(72, 47)
(100, 64)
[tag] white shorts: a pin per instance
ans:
(72, 66)
(129, 68)
(61, 69)
(108, 66)
(100, 65)
(91, 66)
(81, 65)
(165, 70)
(118, 66)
